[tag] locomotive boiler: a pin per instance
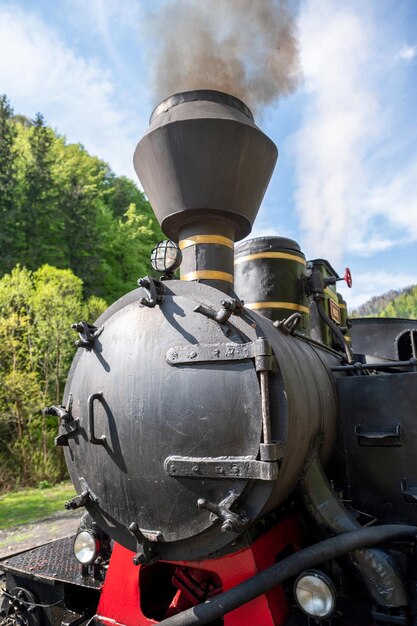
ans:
(244, 453)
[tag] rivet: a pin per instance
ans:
(192, 355)
(195, 468)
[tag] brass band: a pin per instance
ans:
(270, 255)
(277, 305)
(201, 239)
(208, 275)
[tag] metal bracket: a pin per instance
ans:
(65, 431)
(152, 297)
(86, 497)
(68, 424)
(231, 521)
(87, 334)
(410, 493)
(145, 553)
(289, 324)
(222, 315)
(260, 350)
(239, 467)
(391, 438)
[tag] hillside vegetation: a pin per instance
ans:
(73, 238)
(61, 206)
(401, 303)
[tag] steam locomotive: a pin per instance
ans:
(245, 453)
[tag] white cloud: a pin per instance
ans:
(338, 123)
(408, 53)
(356, 165)
(76, 95)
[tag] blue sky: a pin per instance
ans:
(345, 186)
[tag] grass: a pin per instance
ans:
(31, 505)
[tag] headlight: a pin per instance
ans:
(166, 257)
(86, 547)
(315, 594)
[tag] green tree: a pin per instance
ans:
(8, 186)
(39, 195)
(36, 312)
(68, 209)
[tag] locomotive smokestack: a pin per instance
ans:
(205, 167)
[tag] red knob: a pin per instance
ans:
(348, 277)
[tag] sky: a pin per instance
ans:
(345, 185)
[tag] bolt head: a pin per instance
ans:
(227, 526)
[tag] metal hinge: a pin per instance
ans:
(260, 350)
(220, 467)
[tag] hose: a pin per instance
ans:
(379, 571)
(335, 330)
(291, 566)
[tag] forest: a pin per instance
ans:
(74, 237)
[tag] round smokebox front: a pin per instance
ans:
(156, 404)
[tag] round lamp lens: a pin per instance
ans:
(315, 594)
(85, 547)
(166, 257)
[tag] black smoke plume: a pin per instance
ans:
(247, 48)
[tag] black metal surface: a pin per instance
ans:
(212, 253)
(262, 279)
(53, 562)
(208, 95)
(378, 337)
(151, 410)
(385, 407)
(198, 158)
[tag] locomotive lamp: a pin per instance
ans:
(166, 257)
(315, 594)
(86, 547)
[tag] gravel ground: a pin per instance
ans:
(29, 536)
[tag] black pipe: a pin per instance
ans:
(412, 363)
(334, 328)
(379, 571)
(291, 566)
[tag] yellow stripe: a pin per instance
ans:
(342, 306)
(270, 255)
(195, 239)
(348, 338)
(208, 275)
(332, 295)
(277, 305)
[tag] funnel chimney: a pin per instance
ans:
(205, 167)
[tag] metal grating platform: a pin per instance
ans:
(53, 562)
